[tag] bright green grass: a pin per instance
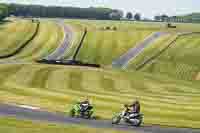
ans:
(151, 50)
(14, 34)
(11, 125)
(181, 60)
(55, 88)
(49, 37)
(103, 46)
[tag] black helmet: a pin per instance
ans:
(136, 102)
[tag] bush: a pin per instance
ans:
(114, 28)
(107, 28)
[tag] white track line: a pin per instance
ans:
(29, 107)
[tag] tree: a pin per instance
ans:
(129, 15)
(157, 18)
(116, 14)
(137, 16)
(164, 17)
(3, 11)
(64, 12)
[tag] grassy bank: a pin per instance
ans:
(180, 60)
(11, 125)
(14, 33)
(164, 101)
(103, 45)
(154, 48)
(49, 37)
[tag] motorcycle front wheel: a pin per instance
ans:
(116, 119)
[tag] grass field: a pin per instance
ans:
(151, 50)
(14, 34)
(163, 99)
(166, 99)
(11, 125)
(180, 60)
(103, 46)
(49, 37)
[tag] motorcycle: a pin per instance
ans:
(81, 111)
(130, 118)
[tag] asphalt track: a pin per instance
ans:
(34, 114)
(59, 52)
(122, 61)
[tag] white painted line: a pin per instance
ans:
(29, 107)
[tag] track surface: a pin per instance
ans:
(59, 52)
(122, 62)
(31, 114)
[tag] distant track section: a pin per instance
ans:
(122, 62)
(59, 52)
(155, 55)
(24, 44)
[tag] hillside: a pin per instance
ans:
(163, 86)
(108, 40)
(19, 32)
(47, 39)
(179, 61)
(158, 95)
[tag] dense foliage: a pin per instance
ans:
(191, 18)
(64, 12)
(3, 11)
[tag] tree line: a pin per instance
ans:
(84, 13)
(64, 12)
(4, 11)
(190, 18)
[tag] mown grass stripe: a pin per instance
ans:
(24, 44)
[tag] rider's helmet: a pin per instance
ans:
(136, 102)
(86, 101)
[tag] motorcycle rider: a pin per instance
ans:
(135, 107)
(131, 115)
(134, 111)
(85, 104)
